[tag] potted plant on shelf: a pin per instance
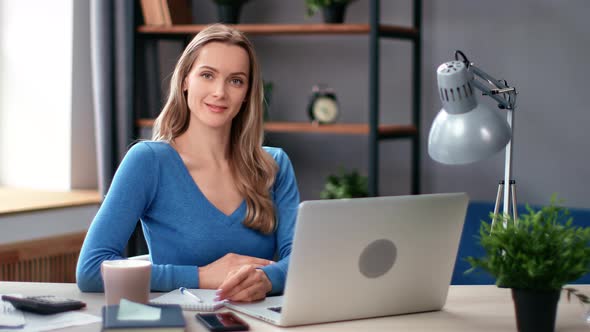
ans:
(332, 10)
(345, 185)
(228, 11)
(535, 257)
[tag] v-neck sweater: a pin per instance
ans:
(182, 228)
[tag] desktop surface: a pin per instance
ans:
(468, 308)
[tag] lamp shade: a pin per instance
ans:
(467, 137)
(464, 131)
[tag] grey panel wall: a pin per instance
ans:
(542, 47)
(539, 46)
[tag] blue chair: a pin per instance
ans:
(469, 246)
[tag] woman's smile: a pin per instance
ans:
(216, 108)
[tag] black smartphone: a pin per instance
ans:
(223, 321)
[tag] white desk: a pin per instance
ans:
(468, 308)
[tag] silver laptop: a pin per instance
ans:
(367, 257)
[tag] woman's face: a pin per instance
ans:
(217, 84)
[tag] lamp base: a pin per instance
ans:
(512, 188)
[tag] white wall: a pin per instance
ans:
(38, 111)
(45, 223)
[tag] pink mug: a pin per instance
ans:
(126, 279)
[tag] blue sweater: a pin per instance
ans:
(182, 228)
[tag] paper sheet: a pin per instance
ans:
(9, 316)
(129, 310)
(35, 322)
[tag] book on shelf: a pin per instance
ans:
(165, 12)
(176, 12)
(152, 11)
(171, 320)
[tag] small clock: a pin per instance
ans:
(323, 106)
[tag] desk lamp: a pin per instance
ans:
(465, 131)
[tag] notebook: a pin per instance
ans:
(171, 320)
(188, 303)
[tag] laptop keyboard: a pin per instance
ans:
(275, 309)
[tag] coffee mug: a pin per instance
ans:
(126, 279)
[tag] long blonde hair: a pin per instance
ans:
(253, 169)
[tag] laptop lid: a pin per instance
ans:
(369, 257)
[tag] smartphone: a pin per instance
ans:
(223, 321)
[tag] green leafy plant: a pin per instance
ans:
(345, 185)
(543, 250)
(313, 6)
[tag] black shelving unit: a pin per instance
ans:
(375, 35)
(376, 132)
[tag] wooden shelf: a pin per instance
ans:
(14, 200)
(385, 131)
(288, 29)
(339, 128)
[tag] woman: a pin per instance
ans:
(215, 206)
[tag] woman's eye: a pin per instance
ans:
(237, 81)
(207, 75)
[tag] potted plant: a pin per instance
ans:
(332, 10)
(228, 11)
(535, 257)
(345, 185)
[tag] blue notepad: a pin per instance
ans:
(188, 303)
(171, 319)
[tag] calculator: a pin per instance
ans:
(44, 305)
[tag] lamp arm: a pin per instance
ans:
(506, 97)
(498, 92)
(509, 184)
(489, 92)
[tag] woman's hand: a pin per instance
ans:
(246, 284)
(211, 276)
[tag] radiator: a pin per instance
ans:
(51, 259)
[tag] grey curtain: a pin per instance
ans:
(112, 24)
(112, 52)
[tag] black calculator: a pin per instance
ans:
(44, 305)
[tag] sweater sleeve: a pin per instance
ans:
(286, 197)
(132, 190)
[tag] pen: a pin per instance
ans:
(185, 291)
